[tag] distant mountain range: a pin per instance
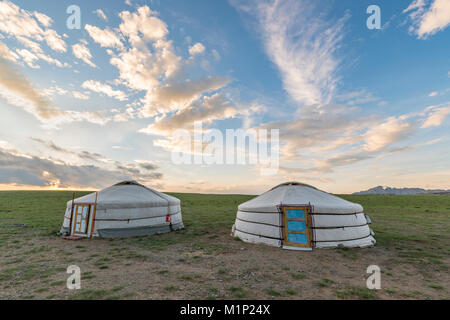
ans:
(389, 190)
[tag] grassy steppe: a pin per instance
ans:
(204, 262)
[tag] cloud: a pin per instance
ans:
(105, 38)
(36, 54)
(433, 94)
(303, 49)
(34, 46)
(101, 14)
(323, 130)
(139, 169)
(208, 109)
(30, 29)
(147, 62)
(141, 69)
(129, 113)
(196, 49)
(433, 141)
(416, 4)
(54, 90)
(99, 87)
(357, 97)
(43, 19)
(18, 22)
(36, 171)
(321, 135)
(28, 57)
(436, 117)
(318, 141)
(51, 145)
(15, 83)
(384, 134)
(54, 40)
(18, 91)
(146, 165)
(216, 55)
(429, 20)
(175, 96)
(83, 53)
(345, 159)
(7, 54)
(85, 155)
(142, 23)
(79, 95)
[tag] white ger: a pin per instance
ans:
(297, 216)
(125, 209)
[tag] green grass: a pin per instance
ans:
(400, 222)
(416, 227)
(324, 282)
(58, 283)
(350, 253)
(87, 275)
(162, 272)
(221, 271)
(437, 286)
(291, 292)
(189, 277)
(273, 292)
(40, 211)
(171, 288)
(415, 230)
(298, 276)
(353, 292)
(238, 292)
(89, 294)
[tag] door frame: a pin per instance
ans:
(88, 219)
(307, 219)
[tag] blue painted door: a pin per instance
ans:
(296, 226)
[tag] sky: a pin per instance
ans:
(84, 108)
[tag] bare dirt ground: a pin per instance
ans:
(211, 266)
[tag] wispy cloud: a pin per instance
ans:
(323, 135)
(428, 19)
(25, 25)
(179, 95)
(436, 116)
(101, 14)
(303, 49)
(99, 87)
(19, 91)
(357, 97)
(206, 110)
(197, 48)
(7, 54)
(356, 141)
(80, 95)
(386, 133)
(105, 37)
(82, 52)
(13, 81)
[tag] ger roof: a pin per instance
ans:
(128, 194)
(297, 193)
